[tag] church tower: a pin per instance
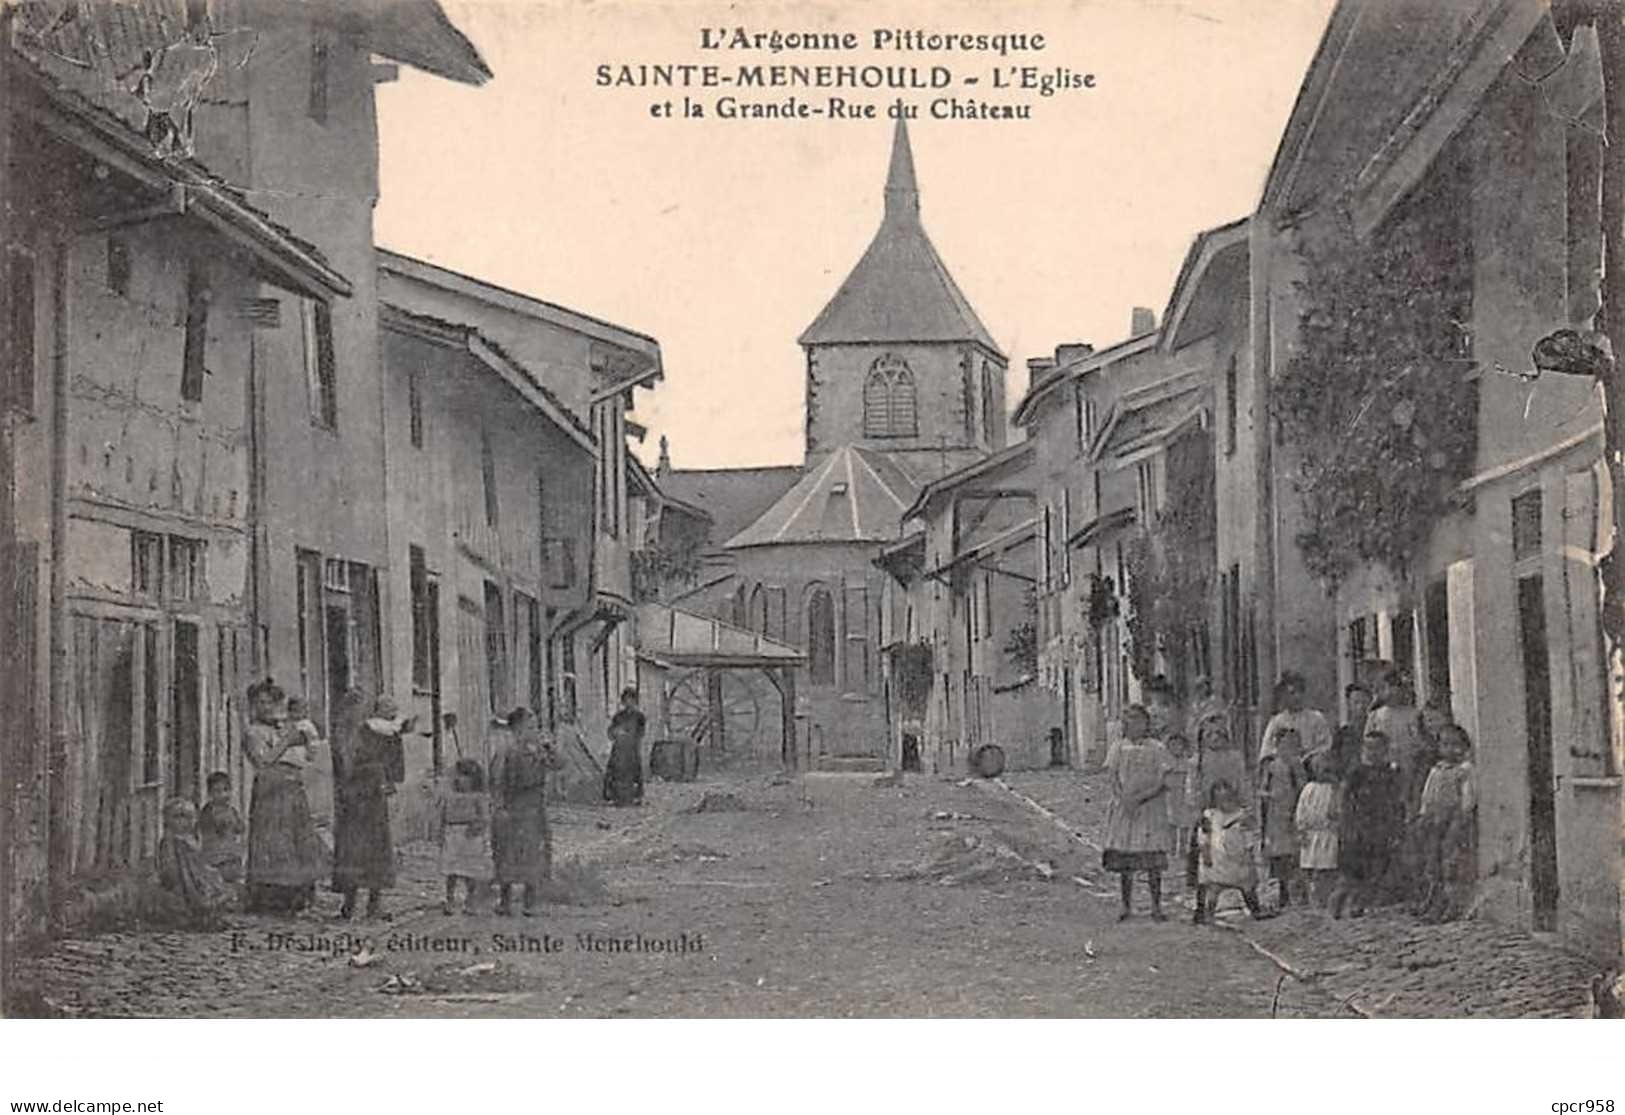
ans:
(898, 362)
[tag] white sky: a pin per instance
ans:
(723, 239)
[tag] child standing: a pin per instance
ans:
(1318, 815)
(1448, 837)
(1373, 825)
(1224, 838)
(464, 822)
(1280, 781)
(220, 829)
(1137, 822)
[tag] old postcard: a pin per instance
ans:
(547, 509)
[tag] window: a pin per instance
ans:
(197, 334)
(1066, 533)
(856, 627)
(1231, 382)
(820, 637)
(1526, 514)
(320, 370)
(1145, 490)
(496, 649)
(185, 568)
(1047, 573)
(418, 577)
(20, 329)
(146, 564)
(889, 404)
(414, 407)
(152, 690)
(317, 108)
(1084, 408)
(118, 267)
(488, 478)
(758, 610)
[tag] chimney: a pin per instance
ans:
(1142, 321)
(1070, 353)
(664, 466)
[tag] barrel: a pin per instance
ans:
(988, 761)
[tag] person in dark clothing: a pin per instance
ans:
(1346, 739)
(521, 841)
(1373, 827)
(367, 767)
(623, 775)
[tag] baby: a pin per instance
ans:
(298, 752)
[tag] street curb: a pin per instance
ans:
(1284, 965)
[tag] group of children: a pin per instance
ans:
(1331, 829)
(200, 855)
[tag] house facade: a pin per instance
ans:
(1495, 614)
(193, 459)
(516, 507)
(959, 615)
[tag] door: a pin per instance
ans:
(431, 592)
(1537, 689)
(185, 714)
(337, 629)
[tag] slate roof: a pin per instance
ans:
(734, 497)
(1377, 60)
(852, 495)
(900, 289)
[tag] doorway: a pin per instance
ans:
(1537, 691)
(186, 719)
(337, 630)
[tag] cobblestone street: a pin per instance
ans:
(823, 895)
(1384, 965)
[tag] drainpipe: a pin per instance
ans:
(57, 852)
(1611, 40)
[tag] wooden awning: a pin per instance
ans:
(669, 636)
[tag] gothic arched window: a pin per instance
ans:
(820, 637)
(889, 405)
(758, 610)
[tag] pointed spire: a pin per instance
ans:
(664, 465)
(902, 193)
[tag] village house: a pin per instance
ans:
(959, 621)
(192, 453)
(1469, 170)
(521, 523)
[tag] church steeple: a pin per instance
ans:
(900, 290)
(902, 192)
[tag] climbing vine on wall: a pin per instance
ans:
(1021, 645)
(668, 563)
(1376, 401)
(1171, 559)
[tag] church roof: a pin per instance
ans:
(853, 495)
(733, 497)
(900, 290)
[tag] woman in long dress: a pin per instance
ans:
(521, 844)
(623, 776)
(366, 767)
(284, 855)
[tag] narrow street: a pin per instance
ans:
(819, 895)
